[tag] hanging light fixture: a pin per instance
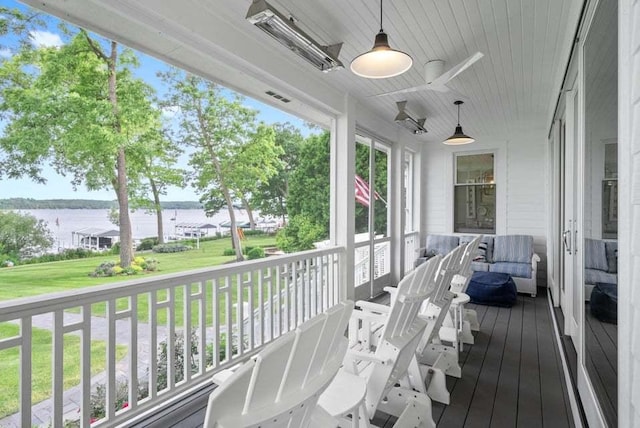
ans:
(381, 61)
(458, 138)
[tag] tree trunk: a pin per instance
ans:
(235, 239)
(158, 207)
(247, 207)
(126, 238)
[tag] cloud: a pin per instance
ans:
(45, 39)
(5, 53)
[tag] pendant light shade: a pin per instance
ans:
(458, 138)
(381, 61)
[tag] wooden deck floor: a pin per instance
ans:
(511, 377)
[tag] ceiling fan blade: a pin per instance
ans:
(402, 91)
(454, 71)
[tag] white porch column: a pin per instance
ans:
(628, 213)
(396, 215)
(343, 153)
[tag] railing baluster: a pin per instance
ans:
(240, 311)
(57, 360)
(216, 322)
(171, 338)
(186, 343)
(261, 274)
(250, 315)
(229, 329)
(153, 344)
(25, 371)
(111, 359)
(85, 366)
(133, 352)
(202, 306)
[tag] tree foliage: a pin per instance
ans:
(271, 197)
(309, 196)
(22, 234)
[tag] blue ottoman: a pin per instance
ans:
(604, 302)
(492, 289)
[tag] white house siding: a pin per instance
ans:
(629, 218)
(520, 175)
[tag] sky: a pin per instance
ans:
(59, 187)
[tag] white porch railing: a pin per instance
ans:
(411, 245)
(220, 316)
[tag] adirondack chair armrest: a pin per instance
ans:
(373, 307)
(220, 377)
(356, 355)
(367, 316)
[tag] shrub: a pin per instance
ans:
(256, 232)
(115, 249)
(229, 252)
(245, 250)
(255, 253)
(150, 265)
(171, 248)
(105, 269)
(147, 244)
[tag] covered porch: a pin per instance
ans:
(513, 96)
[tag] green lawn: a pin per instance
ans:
(41, 362)
(31, 280)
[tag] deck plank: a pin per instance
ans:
(455, 414)
(554, 407)
(529, 400)
(505, 407)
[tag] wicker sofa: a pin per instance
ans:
(512, 254)
(600, 264)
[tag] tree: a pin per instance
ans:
(23, 233)
(78, 107)
(270, 197)
(230, 155)
(156, 161)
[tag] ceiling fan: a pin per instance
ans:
(436, 79)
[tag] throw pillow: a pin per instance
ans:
(481, 253)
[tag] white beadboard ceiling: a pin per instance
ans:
(526, 44)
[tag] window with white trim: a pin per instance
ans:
(474, 206)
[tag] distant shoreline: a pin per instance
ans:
(52, 204)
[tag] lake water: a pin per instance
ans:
(142, 224)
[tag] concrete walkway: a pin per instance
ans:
(42, 412)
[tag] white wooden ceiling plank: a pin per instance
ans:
(495, 76)
(480, 99)
(528, 30)
(539, 38)
(501, 21)
(552, 46)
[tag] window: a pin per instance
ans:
(474, 194)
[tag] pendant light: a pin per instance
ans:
(381, 61)
(458, 138)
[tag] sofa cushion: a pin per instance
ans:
(513, 248)
(594, 276)
(485, 247)
(479, 267)
(604, 302)
(595, 255)
(521, 270)
(442, 244)
(611, 249)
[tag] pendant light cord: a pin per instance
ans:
(458, 114)
(381, 16)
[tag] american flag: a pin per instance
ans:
(362, 192)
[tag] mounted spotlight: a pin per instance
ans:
(285, 31)
(403, 118)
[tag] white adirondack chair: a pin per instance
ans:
(383, 368)
(281, 386)
(460, 322)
